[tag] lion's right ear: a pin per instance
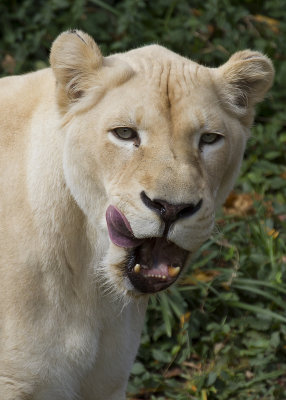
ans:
(75, 59)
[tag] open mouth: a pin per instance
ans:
(153, 263)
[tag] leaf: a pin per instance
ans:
(106, 6)
(200, 276)
(279, 287)
(184, 318)
(211, 378)
(258, 310)
(243, 204)
(162, 356)
(9, 64)
(263, 293)
(166, 313)
(204, 395)
(271, 155)
(271, 22)
(172, 373)
(283, 174)
(138, 368)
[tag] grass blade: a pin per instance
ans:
(257, 310)
(107, 7)
(262, 293)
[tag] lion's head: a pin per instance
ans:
(153, 145)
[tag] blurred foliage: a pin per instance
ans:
(221, 333)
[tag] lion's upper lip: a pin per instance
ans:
(119, 229)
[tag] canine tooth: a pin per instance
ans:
(173, 271)
(137, 268)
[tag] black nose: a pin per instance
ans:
(170, 212)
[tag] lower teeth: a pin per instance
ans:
(156, 276)
(173, 271)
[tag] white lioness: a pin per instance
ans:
(111, 170)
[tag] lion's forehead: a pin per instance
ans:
(170, 75)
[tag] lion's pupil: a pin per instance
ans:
(124, 133)
(209, 137)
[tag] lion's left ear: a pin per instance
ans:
(243, 81)
(75, 59)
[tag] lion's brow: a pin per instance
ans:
(173, 79)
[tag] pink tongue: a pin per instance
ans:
(119, 229)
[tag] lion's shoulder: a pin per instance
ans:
(20, 97)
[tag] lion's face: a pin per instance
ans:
(154, 143)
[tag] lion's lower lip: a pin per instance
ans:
(155, 265)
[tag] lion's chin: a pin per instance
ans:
(155, 265)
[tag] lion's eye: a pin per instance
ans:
(125, 133)
(209, 138)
